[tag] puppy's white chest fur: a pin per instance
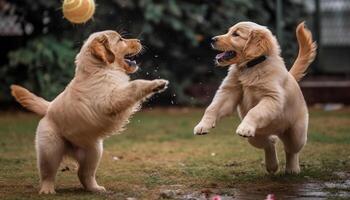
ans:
(264, 84)
(85, 111)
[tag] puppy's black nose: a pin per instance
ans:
(213, 40)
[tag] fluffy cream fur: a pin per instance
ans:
(267, 96)
(97, 103)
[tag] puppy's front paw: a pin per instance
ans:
(160, 85)
(245, 130)
(203, 128)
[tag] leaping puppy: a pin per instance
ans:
(267, 96)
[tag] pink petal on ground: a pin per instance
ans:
(270, 197)
(216, 198)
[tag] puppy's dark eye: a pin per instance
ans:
(120, 40)
(235, 34)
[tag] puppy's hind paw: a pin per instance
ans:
(160, 85)
(293, 171)
(47, 188)
(97, 189)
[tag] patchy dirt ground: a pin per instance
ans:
(158, 157)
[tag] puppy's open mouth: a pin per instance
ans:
(225, 56)
(130, 60)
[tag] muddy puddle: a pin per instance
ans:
(311, 190)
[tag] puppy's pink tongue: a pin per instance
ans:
(220, 55)
(131, 63)
(226, 55)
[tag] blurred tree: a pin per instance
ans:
(176, 34)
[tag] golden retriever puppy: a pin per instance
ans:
(268, 98)
(96, 104)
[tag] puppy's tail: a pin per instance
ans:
(29, 100)
(307, 52)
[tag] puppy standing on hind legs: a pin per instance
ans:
(268, 98)
(96, 104)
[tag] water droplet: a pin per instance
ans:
(156, 56)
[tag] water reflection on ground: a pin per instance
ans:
(312, 190)
(307, 191)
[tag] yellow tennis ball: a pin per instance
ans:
(78, 11)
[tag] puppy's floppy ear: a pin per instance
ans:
(101, 49)
(258, 44)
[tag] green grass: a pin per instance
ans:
(158, 150)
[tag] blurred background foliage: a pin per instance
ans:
(44, 65)
(176, 34)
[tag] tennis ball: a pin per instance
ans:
(78, 11)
